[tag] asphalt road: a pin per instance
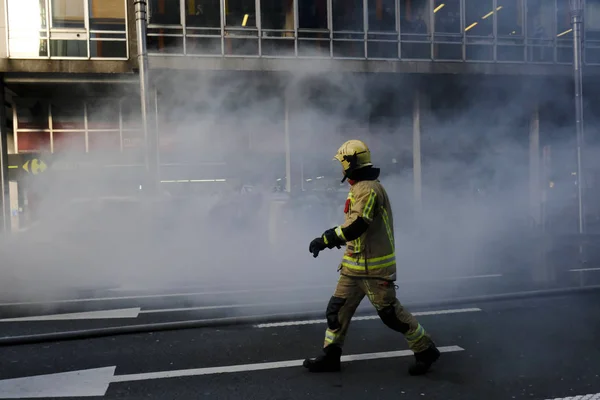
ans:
(542, 348)
(135, 306)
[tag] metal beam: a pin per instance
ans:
(191, 63)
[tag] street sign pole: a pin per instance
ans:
(576, 7)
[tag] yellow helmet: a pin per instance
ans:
(353, 154)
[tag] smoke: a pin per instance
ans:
(222, 217)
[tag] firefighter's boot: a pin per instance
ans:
(329, 362)
(424, 360)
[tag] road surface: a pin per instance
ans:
(126, 306)
(539, 348)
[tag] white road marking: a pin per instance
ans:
(103, 314)
(162, 310)
(584, 269)
(84, 383)
(365, 318)
(95, 382)
(595, 396)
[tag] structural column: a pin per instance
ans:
(535, 206)
(5, 196)
(150, 131)
(416, 118)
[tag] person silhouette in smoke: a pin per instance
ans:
(368, 266)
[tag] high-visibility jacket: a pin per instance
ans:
(373, 253)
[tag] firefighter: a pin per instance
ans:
(368, 266)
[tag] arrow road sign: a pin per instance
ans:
(104, 314)
(95, 382)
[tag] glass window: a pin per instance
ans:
(27, 28)
(68, 48)
(277, 19)
(277, 14)
(479, 17)
(563, 20)
(312, 24)
(509, 17)
(240, 13)
(564, 33)
(348, 15)
(312, 14)
(107, 15)
(64, 142)
(415, 26)
(67, 116)
(164, 12)
(479, 29)
(68, 14)
(592, 31)
(541, 18)
(382, 38)
(382, 15)
(448, 30)
(203, 13)
(447, 16)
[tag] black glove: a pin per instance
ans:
(332, 239)
(316, 246)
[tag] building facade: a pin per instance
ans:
(257, 92)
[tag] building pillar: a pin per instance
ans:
(535, 198)
(417, 175)
(4, 186)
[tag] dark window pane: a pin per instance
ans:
(415, 27)
(479, 27)
(479, 16)
(348, 15)
(510, 18)
(277, 14)
(540, 29)
(32, 114)
(511, 43)
(165, 44)
(68, 48)
(563, 20)
(240, 13)
(108, 49)
(164, 12)
(448, 30)
(447, 16)
(203, 13)
(312, 14)
(108, 15)
(68, 14)
(382, 15)
(68, 116)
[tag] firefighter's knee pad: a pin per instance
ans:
(333, 310)
(389, 317)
